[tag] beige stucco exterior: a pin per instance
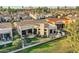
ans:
(40, 29)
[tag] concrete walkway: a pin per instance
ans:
(44, 40)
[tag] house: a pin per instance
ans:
(5, 33)
(19, 17)
(59, 22)
(5, 18)
(28, 28)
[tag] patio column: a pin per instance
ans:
(37, 30)
(26, 32)
(22, 39)
(11, 35)
(21, 34)
(33, 31)
(22, 43)
(3, 37)
(47, 32)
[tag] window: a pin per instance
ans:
(29, 30)
(23, 32)
(54, 31)
(35, 31)
(44, 33)
(38, 29)
(45, 29)
(51, 31)
(21, 18)
(59, 26)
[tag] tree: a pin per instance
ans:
(2, 9)
(77, 7)
(11, 10)
(73, 38)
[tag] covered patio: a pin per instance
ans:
(5, 37)
(5, 33)
(29, 32)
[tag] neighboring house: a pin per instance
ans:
(59, 22)
(49, 16)
(7, 18)
(35, 27)
(5, 33)
(41, 16)
(37, 16)
(19, 17)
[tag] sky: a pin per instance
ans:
(39, 3)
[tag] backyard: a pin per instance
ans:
(10, 47)
(59, 45)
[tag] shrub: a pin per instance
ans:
(16, 37)
(28, 40)
(17, 43)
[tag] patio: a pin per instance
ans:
(5, 38)
(5, 42)
(29, 33)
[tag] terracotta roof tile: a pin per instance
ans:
(57, 20)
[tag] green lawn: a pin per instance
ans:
(34, 39)
(7, 49)
(59, 45)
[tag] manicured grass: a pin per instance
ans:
(34, 39)
(59, 45)
(8, 45)
(7, 49)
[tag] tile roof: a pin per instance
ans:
(30, 22)
(5, 25)
(58, 20)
